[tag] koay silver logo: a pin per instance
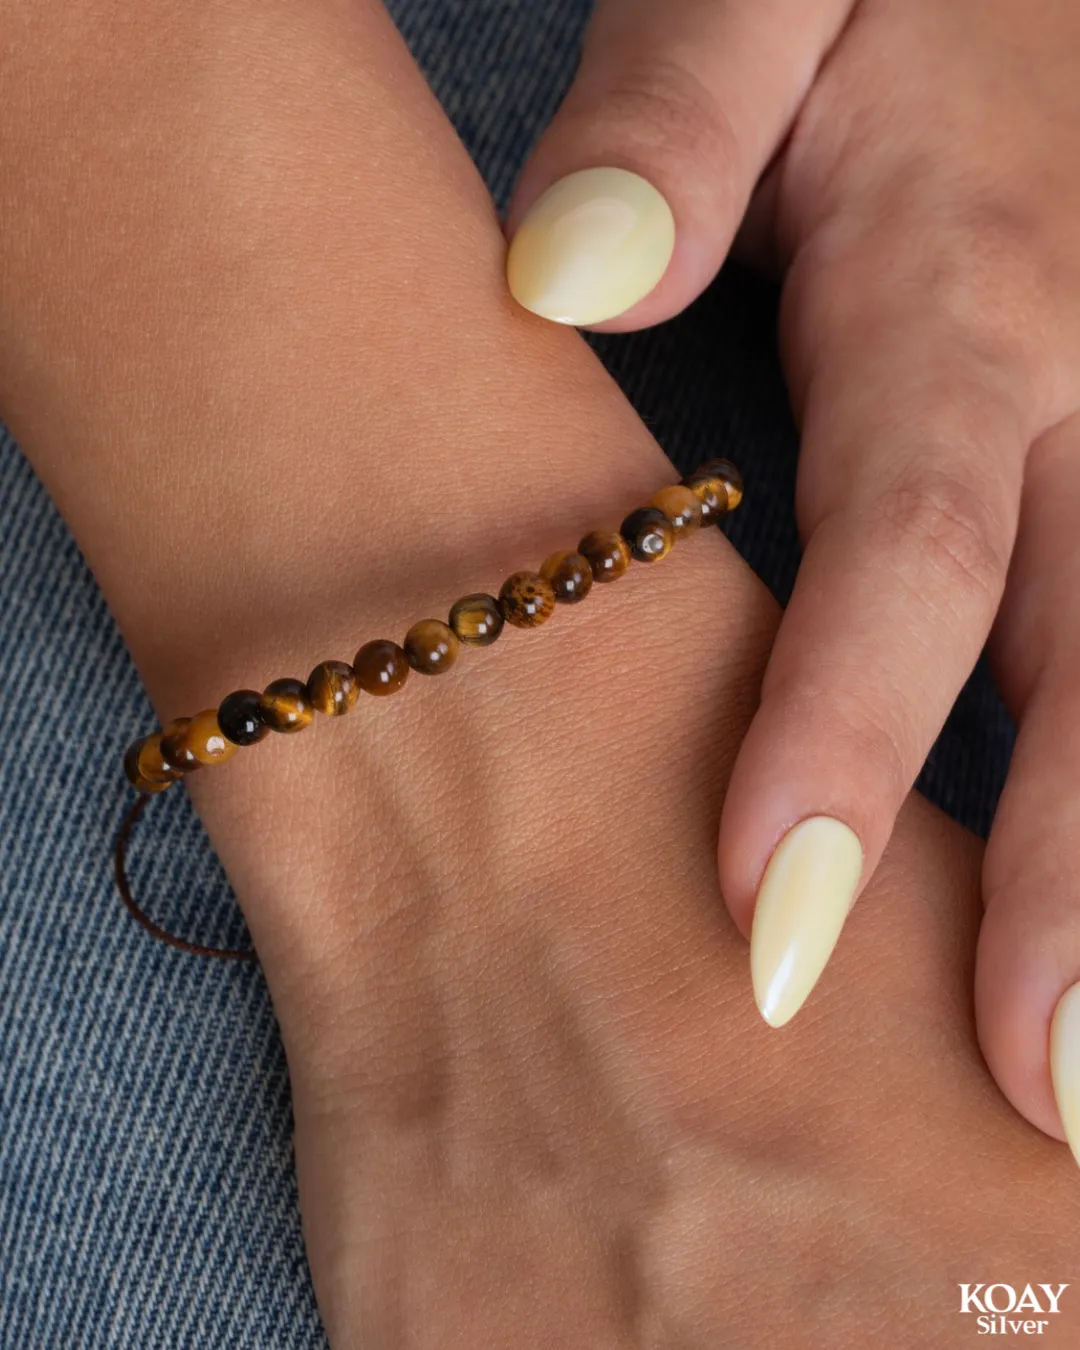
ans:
(1004, 1310)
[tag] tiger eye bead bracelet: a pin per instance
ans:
(432, 647)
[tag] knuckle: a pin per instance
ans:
(665, 113)
(952, 526)
(977, 279)
(871, 741)
(987, 277)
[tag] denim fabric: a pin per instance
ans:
(147, 1197)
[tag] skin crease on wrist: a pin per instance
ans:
(533, 1102)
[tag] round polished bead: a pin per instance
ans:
(649, 534)
(240, 717)
(711, 493)
(729, 475)
(527, 600)
(205, 739)
(285, 705)
(607, 553)
(381, 667)
(681, 507)
(431, 646)
(477, 620)
(145, 767)
(570, 575)
(175, 751)
(332, 688)
(152, 762)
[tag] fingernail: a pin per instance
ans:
(594, 244)
(805, 896)
(1065, 1064)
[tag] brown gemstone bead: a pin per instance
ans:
(570, 575)
(681, 507)
(607, 553)
(332, 688)
(431, 646)
(152, 762)
(175, 751)
(145, 767)
(527, 600)
(649, 534)
(729, 475)
(711, 493)
(204, 738)
(381, 667)
(285, 705)
(477, 620)
(240, 717)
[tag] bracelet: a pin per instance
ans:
(431, 647)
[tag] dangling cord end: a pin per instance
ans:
(155, 930)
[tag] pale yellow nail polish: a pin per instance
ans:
(804, 898)
(1065, 1064)
(594, 244)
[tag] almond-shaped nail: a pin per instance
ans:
(805, 895)
(1065, 1064)
(593, 245)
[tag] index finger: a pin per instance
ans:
(909, 490)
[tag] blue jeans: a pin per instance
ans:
(147, 1194)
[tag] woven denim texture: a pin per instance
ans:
(147, 1195)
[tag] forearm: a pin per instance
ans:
(256, 340)
(254, 335)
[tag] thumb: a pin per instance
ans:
(629, 204)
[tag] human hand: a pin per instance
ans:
(532, 1105)
(910, 170)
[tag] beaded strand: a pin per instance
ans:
(431, 647)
